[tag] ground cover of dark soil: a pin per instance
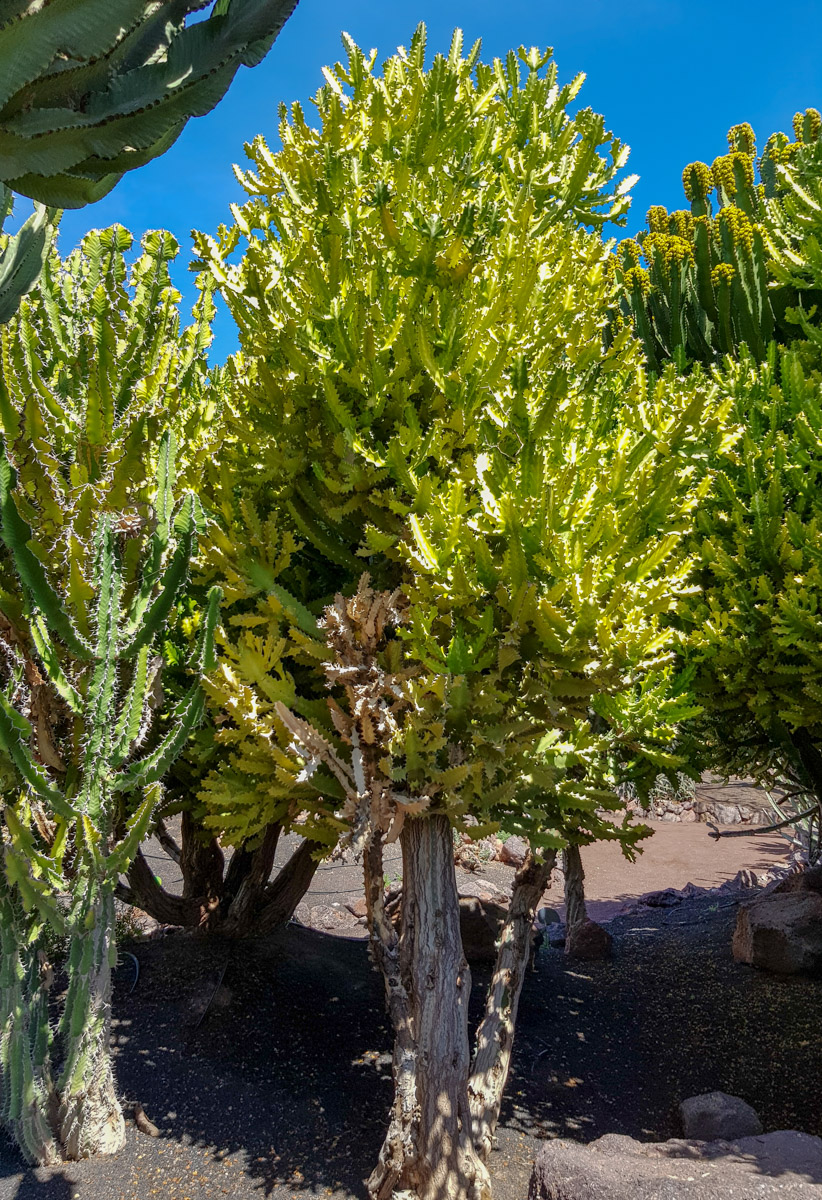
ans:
(282, 1087)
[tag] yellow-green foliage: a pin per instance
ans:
(427, 390)
(95, 368)
(753, 623)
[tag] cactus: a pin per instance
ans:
(426, 403)
(90, 697)
(93, 89)
(708, 284)
(96, 88)
(21, 256)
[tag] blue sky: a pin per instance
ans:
(670, 76)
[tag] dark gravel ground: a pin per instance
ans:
(283, 1087)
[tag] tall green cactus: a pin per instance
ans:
(75, 724)
(707, 285)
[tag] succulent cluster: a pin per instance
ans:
(699, 282)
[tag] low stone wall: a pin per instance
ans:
(738, 802)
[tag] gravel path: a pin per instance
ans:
(282, 1087)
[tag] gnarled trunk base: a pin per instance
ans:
(244, 904)
(428, 1153)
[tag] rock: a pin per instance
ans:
(588, 940)
(482, 889)
(546, 917)
(781, 932)
(514, 851)
(726, 814)
(480, 925)
(666, 898)
(357, 908)
(786, 1164)
(716, 1115)
(687, 816)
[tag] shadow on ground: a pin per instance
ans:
(282, 1086)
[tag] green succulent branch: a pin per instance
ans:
(93, 88)
(94, 701)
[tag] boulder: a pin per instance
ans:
(716, 1115)
(475, 887)
(514, 851)
(781, 931)
(480, 925)
(587, 940)
(786, 1164)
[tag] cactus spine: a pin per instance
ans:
(97, 795)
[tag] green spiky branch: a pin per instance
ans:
(21, 255)
(97, 797)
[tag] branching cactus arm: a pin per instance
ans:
(103, 802)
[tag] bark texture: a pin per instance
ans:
(575, 910)
(495, 1036)
(239, 901)
(428, 1152)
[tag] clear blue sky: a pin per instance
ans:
(670, 76)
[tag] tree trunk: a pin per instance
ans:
(575, 911)
(286, 890)
(495, 1036)
(90, 1117)
(245, 882)
(258, 906)
(201, 861)
(428, 1152)
(146, 893)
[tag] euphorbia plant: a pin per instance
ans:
(76, 707)
(734, 286)
(429, 393)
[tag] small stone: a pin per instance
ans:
(688, 815)
(357, 908)
(514, 851)
(716, 1116)
(330, 920)
(588, 940)
(666, 898)
(546, 917)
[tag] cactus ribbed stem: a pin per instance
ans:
(90, 1116)
(27, 1096)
